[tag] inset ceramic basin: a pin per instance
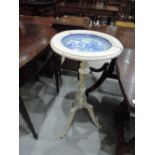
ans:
(86, 45)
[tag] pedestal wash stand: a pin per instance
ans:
(84, 45)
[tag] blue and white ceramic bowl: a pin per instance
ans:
(86, 45)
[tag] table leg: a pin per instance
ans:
(80, 101)
(122, 115)
(70, 119)
(106, 73)
(26, 117)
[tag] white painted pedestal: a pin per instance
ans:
(81, 100)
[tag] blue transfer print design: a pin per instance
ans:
(86, 42)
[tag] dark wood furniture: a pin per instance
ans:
(113, 2)
(127, 37)
(127, 10)
(38, 7)
(34, 36)
(88, 9)
(126, 110)
(72, 22)
(125, 73)
(44, 21)
(82, 1)
(26, 117)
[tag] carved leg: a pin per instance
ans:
(70, 119)
(80, 100)
(107, 71)
(92, 115)
(104, 67)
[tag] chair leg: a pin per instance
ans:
(26, 117)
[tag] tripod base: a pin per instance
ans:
(80, 101)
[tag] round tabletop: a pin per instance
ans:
(85, 45)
